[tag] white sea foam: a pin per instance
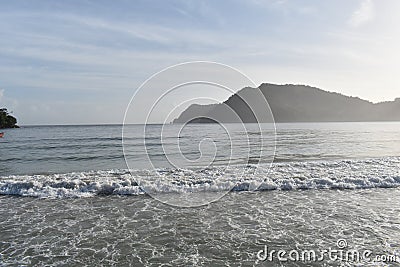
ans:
(341, 174)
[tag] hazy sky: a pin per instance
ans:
(66, 62)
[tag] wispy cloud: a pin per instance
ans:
(1, 94)
(57, 54)
(363, 14)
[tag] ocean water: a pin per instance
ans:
(67, 196)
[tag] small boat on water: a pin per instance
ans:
(1, 135)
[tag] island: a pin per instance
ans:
(294, 103)
(6, 120)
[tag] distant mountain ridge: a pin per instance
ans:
(294, 103)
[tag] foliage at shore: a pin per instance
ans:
(6, 120)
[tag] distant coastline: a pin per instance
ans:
(295, 103)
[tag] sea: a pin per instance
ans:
(201, 195)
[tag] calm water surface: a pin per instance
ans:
(68, 199)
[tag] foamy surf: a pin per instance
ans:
(340, 174)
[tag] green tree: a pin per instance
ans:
(6, 120)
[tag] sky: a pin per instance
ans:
(79, 62)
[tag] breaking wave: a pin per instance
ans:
(339, 174)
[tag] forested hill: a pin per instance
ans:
(297, 103)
